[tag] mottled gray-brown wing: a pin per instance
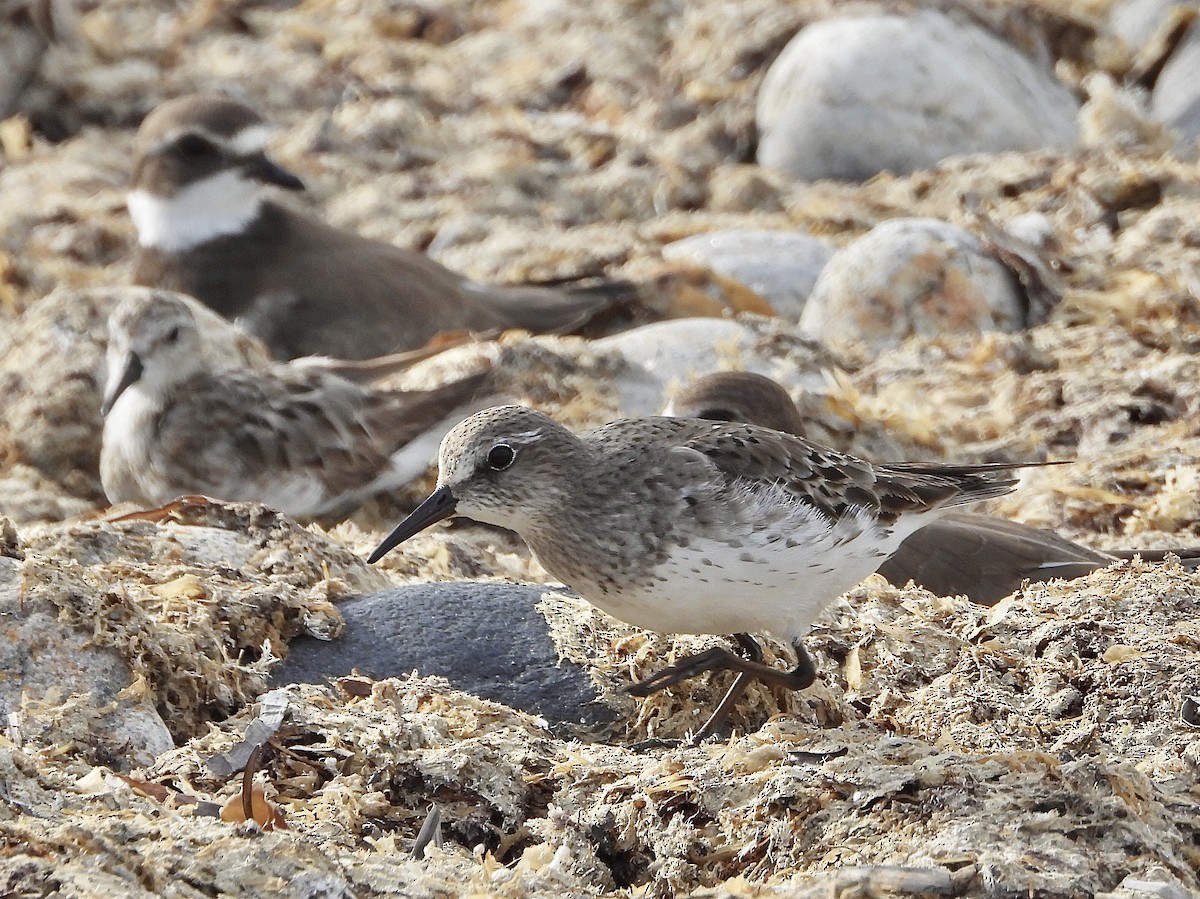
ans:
(273, 431)
(397, 417)
(832, 481)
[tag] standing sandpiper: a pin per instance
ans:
(207, 227)
(688, 526)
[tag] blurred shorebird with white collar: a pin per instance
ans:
(208, 227)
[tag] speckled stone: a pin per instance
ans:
(911, 276)
(43, 660)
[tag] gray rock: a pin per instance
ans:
(851, 97)
(780, 266)
(663, 356)
(911, 276)
(22, 47)
(488, 639)
(43, 661)
(1176, 98)
(1136, 21)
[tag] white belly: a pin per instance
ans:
(776, 579)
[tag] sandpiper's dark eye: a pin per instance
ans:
(501, 456)
(195, 146)
(173, 334)
(717, 414)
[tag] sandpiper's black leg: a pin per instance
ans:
(749, 647)
(752, 652)
(805, 672)
(721, 659)
(715, 659)
(749, 667)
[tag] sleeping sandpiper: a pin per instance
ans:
(293, 436)
(207, 227)
(689, 526)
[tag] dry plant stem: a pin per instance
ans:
(248, 780)
(430, 832)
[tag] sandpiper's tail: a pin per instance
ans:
(919, 486)
(559, 308)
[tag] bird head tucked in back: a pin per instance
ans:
(502, 466)
(153, 342)
(199, 171)
(738, 396)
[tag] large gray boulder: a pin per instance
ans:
(851, 97)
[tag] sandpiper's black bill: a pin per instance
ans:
(129, 377)
(438, 507)
(267, 171)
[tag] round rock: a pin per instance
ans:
(661, 356)
(43, 660)
(911, 276)
(851, 97)
(780, 266)
(1135, 21)
(488, 639)
(1176, 98)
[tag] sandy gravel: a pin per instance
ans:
(1038, 748)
